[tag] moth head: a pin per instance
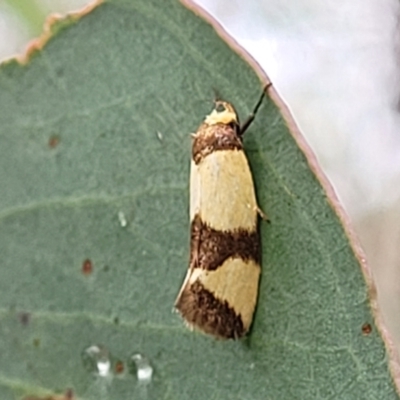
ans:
(223, 113)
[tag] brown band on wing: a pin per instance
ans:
(211, 247)
(210, 138)
(203, 310)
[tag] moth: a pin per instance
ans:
(219, 293)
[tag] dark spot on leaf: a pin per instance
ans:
(36, 342)
(366, 328)
(119, 367)
(24, 318)
(87, 267)
(54, 140)
(116, 320)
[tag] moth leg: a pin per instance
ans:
(194, 262)
(261, 214)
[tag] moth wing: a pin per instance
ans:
(221, 302)
(222, 191)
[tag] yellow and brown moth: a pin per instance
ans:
(219, 293)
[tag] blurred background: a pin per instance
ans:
(336, 65)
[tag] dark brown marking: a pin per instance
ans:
(119, 367)
(53, 141)
(87, 267)
(210, 138)
(24, 318)
(210, 247)
(366, 329)
(203, 310)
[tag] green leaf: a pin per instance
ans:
(95, 130)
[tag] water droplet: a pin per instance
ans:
(252, 365)
(140, 365)
(122, 219)
(97, 359)
(160, 136)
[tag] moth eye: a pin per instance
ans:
(220, 108)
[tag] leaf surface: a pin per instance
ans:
(94, 165)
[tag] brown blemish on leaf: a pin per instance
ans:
(119, 367)
(366, 329)
(87, 267)
(24, 318)
(54, 140)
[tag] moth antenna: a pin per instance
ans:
(217, 95)
(251, 117)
